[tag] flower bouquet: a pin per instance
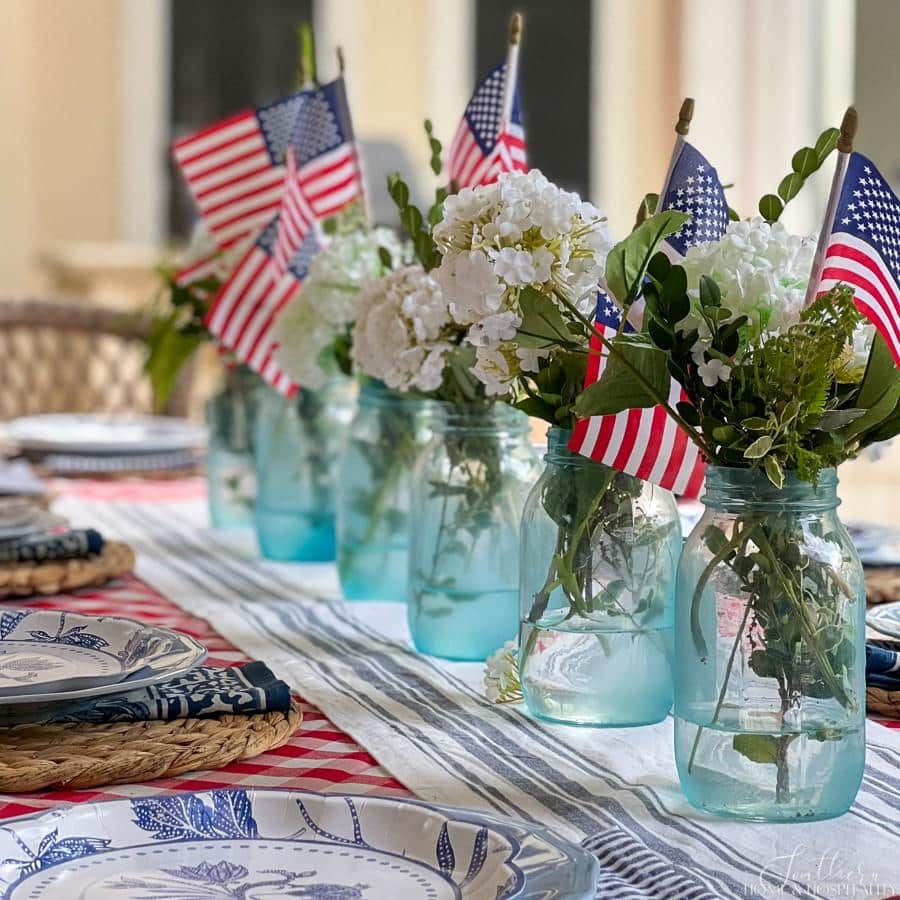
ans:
(521, 264)
(780, 386)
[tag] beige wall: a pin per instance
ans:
(58, 161)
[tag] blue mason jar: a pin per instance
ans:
(297, 445)
(230, 475)
(770, 649)
(471, 482)
(599, 554)
(374, 493)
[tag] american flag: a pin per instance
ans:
(693, 187)
(863, 248)
(235, 168)
(485, 145)
(647, 442)
(323, 171)
(245, 308)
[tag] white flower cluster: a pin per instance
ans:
(403, 330)
(326, 304)
(522, 231)
(501, 675)
(762, 271)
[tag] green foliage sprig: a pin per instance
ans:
(804, 163)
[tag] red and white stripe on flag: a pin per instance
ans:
(854, 262)
(243, 314)
(231, 176)
(646, 443)
(470, 167)
(295, 222)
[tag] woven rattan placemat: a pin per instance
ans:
(883, 584)
(24, 579)
(42, 757)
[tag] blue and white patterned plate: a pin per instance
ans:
(49, 655)
(262, 845)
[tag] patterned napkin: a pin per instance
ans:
(883, 666)
(247, 689)
(71, 545)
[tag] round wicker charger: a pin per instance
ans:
(44, 757)
(883, 584)
(57, 576)
(882, 702)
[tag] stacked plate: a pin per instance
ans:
(21, 518)
(50, 656)
(87, 444)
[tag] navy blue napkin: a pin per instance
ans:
(882, 667)
(204, 691)
(71, 545)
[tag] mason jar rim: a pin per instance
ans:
(733, 488)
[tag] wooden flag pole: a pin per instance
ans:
(682, 127)
(306, 68)
(849, 124)
(512, 66)
(364, 199)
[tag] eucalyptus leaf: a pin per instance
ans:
(770, 207)
(826, 143)
(627, 262)
(805, 161)
(790, 186)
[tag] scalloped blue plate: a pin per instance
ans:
(262, 845)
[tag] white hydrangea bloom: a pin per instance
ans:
(520, 231)
(403, 330)
(762, 271)
(326, 304)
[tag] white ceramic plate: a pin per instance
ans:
(262, 845)
(49, 655)
(885, 618)
(92, 433)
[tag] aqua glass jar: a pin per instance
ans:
(599, 553)
(230, 476)
(298, 443)
(770, 632)
(374, 491)
(470, 486)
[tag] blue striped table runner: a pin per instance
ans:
(429, 725)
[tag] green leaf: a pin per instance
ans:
(537, 408)
(874, 415)
(770, 207)
(660, 335)
(805, 161)
(833, 419)
(790, 186)
(774, 472)
(169, 350)
(635, 376)
(542, 323)
(398, 189)
(387, 261)
(826, 143)
(758, 748)
(627, 262)
(755, 423)
(759, 448)
(710, 295)
(881, 373)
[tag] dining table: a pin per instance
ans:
(380, 719)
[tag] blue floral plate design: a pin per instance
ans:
(50, 655)
(262, 845)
